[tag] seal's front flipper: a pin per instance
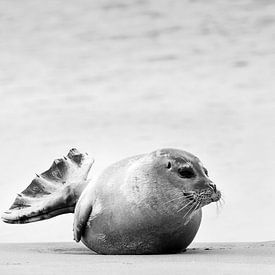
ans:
(83, 211)
(52, 193)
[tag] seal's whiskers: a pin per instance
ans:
(187, 197)
(219, 205)
(191, 202)
(191, 209)
(217, 208)
(198, 206)
(222, 201)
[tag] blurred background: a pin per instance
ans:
(117, 78)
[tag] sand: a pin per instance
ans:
(200, 258)
(117, 78)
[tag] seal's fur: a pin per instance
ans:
(146, 204)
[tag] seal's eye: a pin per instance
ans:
(169, 165)
(186, 172)
(205, 171)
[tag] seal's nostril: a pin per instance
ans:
(213, 186)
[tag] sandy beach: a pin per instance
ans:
(119, 78)
(200, 258)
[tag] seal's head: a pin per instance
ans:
(187, 174)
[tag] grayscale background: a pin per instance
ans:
(117, 78)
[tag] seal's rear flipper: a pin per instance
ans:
(52, 193)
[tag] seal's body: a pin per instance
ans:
(146, 204)
(131, 212)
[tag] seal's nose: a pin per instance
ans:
(213, 186)
(205, 184)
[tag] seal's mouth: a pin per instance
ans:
(194, 200)
(216, 196)
(204, 197)
(209, 195)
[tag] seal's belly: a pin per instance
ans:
(150, 238)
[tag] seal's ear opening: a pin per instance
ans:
(169, 165)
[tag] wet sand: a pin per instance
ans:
(200, 258)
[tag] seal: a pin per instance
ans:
(145, 204)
